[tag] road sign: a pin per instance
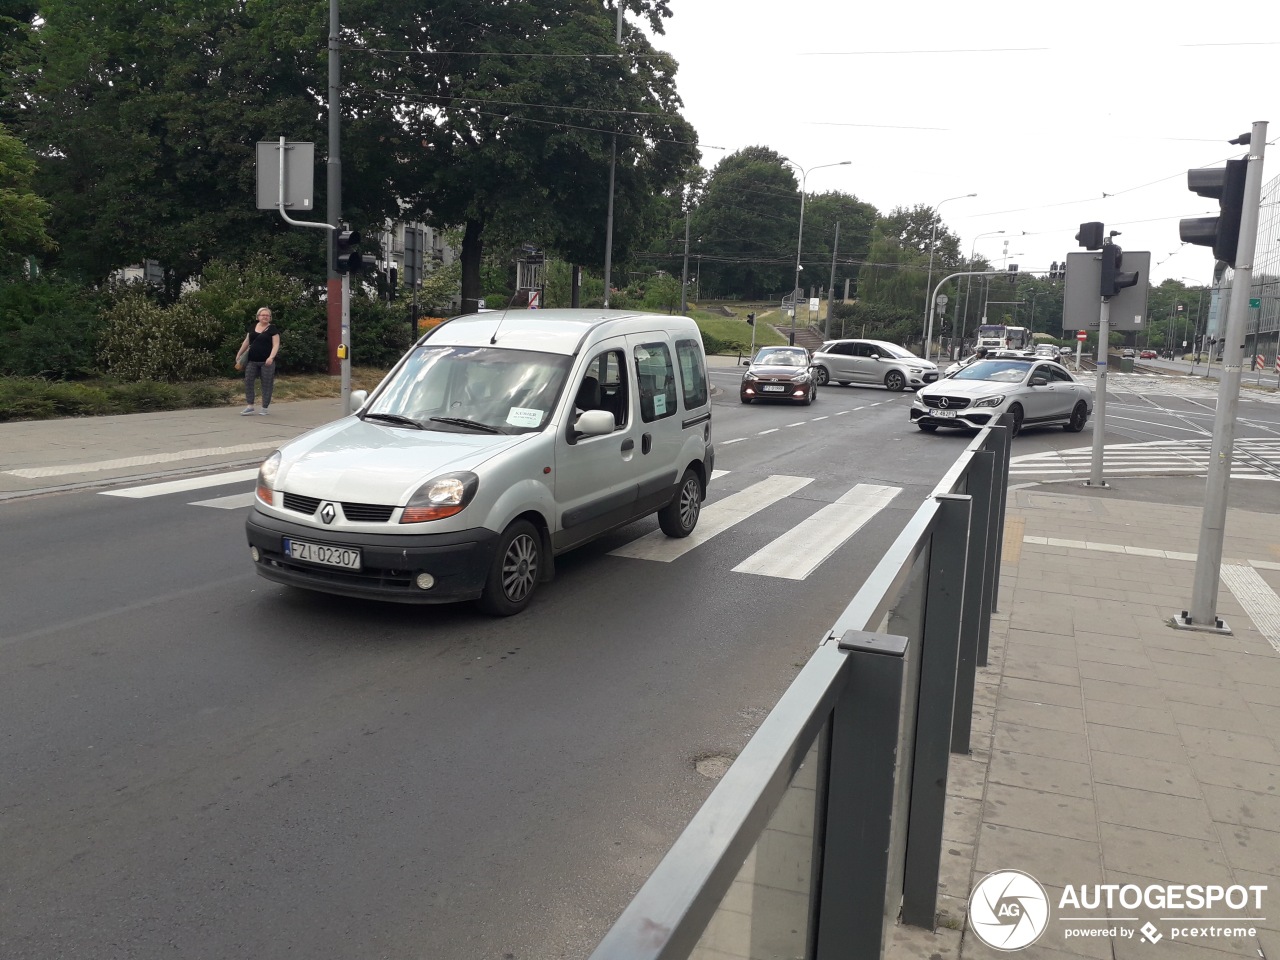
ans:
(535, 299)
(813, 304)
(1255, 302)
(299, 174)
(1260, 362)
(1082, 334)
(1081, 301)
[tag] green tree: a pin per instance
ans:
(511, 137)
(22, 213)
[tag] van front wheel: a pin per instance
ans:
(680, 516)
(514, 571)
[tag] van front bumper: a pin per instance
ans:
(389, 563)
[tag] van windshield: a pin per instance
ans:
(464, 389)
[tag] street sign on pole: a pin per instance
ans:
(1082, 334)
(1080, 301)
(299, 174)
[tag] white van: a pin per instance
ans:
(498, 441)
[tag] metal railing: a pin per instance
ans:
(827, 829)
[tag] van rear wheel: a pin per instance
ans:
(680, 516)
(513, 575)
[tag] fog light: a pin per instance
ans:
(253, 552)
(425, 581)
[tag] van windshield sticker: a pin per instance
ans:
(524, 417)
(659, 403)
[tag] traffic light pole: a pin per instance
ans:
(344, 350)
(1099, 394)
(1204, 595)
(928, 330)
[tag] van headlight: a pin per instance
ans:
(989, 402)
(267, 478)
(441, 497)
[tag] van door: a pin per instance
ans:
(659, 416)
(597, 479)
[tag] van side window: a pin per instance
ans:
(693, 378)
(604, 386)
(656, 378)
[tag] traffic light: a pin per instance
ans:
(1226, 185)
(1113, 281)
(946, 325)
(1090, 236)
(751, 319)
(346, 256)
(1057, 271)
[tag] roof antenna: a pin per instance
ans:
(494, 338)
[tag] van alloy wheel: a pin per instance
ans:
(680, 516)
(514, 573)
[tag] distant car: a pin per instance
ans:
(871, 362)
(1127, 354)
(1032, 392)
(1147, 355)
(1046, 350)
(779, 373)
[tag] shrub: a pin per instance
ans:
(50, 328)
(144, 341)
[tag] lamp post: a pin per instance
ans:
(968, 285)
(928, 284)
(795, 289)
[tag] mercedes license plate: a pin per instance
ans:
(773, 388)
(944, 413)
(346, 557)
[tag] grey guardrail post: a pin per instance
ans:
(1001, 435)
(999, 439)
(939, 657)
(866, 755)
(975, 613)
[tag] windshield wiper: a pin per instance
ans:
(396, 419)
(473, 424)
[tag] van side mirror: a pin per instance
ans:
(358, 397)
(595, 423)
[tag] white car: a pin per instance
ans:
(871, 362)
(497, 442)
(1032, 392)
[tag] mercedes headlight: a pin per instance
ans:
(989, 402)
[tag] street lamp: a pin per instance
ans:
(973, 250)
(795, 290)
(928, 284)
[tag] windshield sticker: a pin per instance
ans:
(660, 404)
(524, 417)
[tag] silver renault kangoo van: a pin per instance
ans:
(497, 442)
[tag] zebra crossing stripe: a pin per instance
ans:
(715, 519)
(793, 556)
(181, 486)
(237, 501)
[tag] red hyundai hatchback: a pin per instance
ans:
(779, 373)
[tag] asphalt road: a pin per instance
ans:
(201, 764)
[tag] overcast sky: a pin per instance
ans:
(1028, 105)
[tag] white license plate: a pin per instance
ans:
(944, 413)
(773, 388)
(345, 557)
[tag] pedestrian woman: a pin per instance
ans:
(260, 346)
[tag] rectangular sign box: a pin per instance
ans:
(1082, 299)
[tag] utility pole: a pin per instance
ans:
(1234, 239)
(333, 194)
(613, 165)
(831, 286)
(684, 273)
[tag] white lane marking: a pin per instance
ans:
(32, 473)
(793, 556)
(841, 413)
(1258, 599)
(856, 409)
(234, 502)
(736, 440)
(716, 518)
(816, 419)
(180, 486)
(800, 423)
(770, 430)
(717, 474)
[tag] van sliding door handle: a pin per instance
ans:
(646, 443)
(628, 445)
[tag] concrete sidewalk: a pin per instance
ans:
(1110, 747)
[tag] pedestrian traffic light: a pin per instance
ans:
(1090, 236)
(1226, 185)
(751, 319)
(1113, 280)
(346, 256)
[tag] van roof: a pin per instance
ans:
(549, 331)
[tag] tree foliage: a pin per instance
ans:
(23, 214)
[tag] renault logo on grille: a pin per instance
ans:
(944, 401)
(327, 512)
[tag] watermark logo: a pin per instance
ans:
(1149, 933)
(1008, 910)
